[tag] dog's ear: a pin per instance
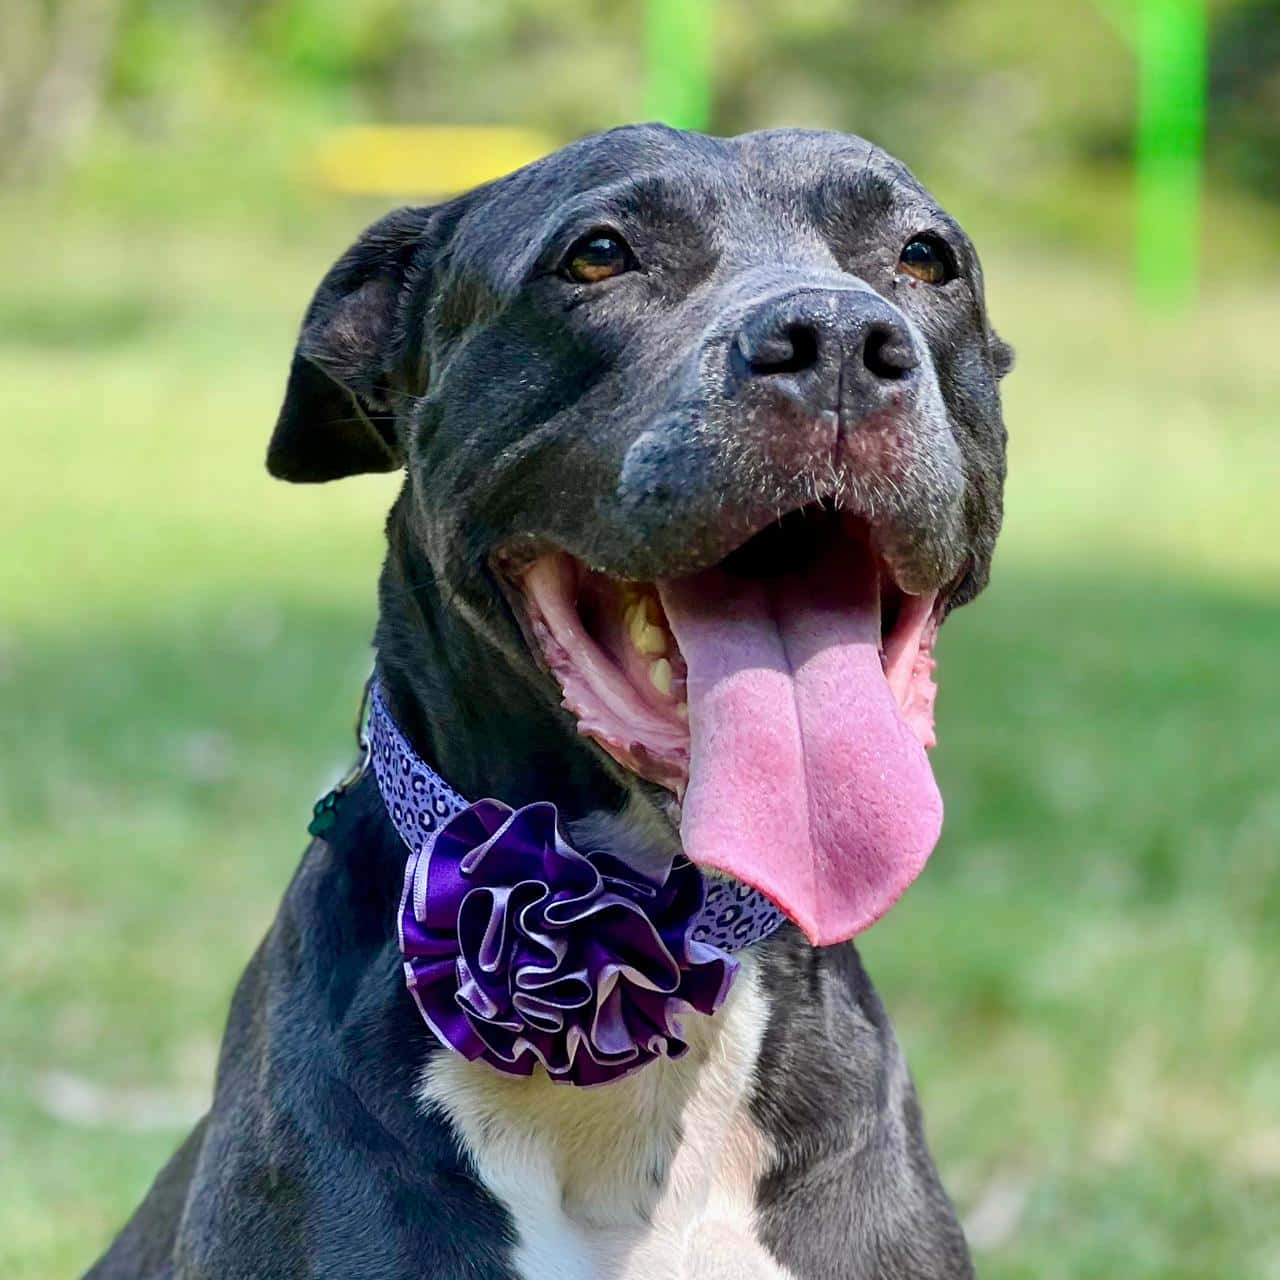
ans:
(349, 367)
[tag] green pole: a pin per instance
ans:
(1172, 40)
(678, 57)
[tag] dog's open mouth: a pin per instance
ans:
(784, 695)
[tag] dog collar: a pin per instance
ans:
(520, 950)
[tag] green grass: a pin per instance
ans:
(1085, 979)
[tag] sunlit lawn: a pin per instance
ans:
(1085, 980)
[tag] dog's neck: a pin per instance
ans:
(467, 706)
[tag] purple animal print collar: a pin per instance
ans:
(519, 950)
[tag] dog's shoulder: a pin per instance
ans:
(851, 1178)
(315, 1158)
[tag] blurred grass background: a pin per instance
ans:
(1085, 980)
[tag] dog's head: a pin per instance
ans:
(713, 424)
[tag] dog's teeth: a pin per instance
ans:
(682, 710)
(660, 676)
(651, 641)
(647, 638)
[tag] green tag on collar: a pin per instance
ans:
(325, 813)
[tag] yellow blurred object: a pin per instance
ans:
(423, 159)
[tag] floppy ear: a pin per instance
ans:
(351, 360)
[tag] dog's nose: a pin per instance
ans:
(814, 347)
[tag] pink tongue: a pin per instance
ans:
(804, 780)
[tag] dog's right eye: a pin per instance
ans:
(598, 256)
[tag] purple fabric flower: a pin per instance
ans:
(520, 950)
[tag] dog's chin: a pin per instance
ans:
(609, 644)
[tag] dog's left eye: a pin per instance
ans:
(598, 256)
(928, 260)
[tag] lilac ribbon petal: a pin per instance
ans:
(518, 950)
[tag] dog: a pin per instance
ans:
(702, 440)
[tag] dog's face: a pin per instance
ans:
(715, 424)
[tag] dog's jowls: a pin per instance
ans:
(702, 442)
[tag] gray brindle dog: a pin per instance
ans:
(702, 440)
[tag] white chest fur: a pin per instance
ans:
(653, 1175)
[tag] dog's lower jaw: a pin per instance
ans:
(653, 1175)
(473, 705)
